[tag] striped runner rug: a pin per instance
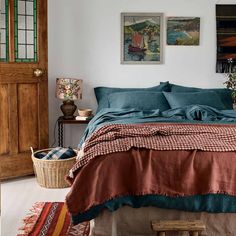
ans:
(51, 219)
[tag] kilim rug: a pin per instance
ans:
(51, 219)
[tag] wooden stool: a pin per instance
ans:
(193, 227)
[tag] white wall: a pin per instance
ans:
(84, 42)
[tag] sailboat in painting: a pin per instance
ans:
(141, 37)
(137, 44)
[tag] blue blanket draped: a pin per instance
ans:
(188, 114)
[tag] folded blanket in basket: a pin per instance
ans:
(59, 153)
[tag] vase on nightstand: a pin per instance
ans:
(234, 106)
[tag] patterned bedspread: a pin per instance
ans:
(122, 137)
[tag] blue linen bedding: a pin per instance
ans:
(188, 114)
(224, 94)
(102, 93)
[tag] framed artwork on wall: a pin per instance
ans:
(183, 31)
(226, 38)
(141, 38)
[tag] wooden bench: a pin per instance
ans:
(193, 227)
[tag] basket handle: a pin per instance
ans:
(32, 150)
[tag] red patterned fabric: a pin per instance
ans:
(122, 137)
(51, 218)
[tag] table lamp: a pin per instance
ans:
(68, 90)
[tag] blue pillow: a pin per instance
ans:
(140, 100)
(102, 93)
(208, 98)
(224, 94)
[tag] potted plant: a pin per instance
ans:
(231, 84)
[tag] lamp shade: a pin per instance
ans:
(69, 89)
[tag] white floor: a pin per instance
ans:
(17, 198)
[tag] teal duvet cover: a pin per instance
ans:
(198, 114)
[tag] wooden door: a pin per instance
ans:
(23, 84)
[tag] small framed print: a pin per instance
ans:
(183, 31)
(141, 38)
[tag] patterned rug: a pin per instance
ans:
(51, 219)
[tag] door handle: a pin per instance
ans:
(38, 72)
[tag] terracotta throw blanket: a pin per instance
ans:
(122, 137)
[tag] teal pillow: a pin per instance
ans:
(139, 100)
(102, 93)
(224, 94)
(208, 98)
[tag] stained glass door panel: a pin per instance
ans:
(4, 30)
(25, 30)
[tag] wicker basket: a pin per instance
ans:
(51, 173)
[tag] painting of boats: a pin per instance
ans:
(183, 31)
(141, 38)
(137, 44)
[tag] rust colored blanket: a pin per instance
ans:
(143, 171)
(192, 161)
(122, 137)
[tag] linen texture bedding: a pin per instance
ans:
(195, 114)
(224, 94)
(198, 175)
(102, 93)
(209, 98)
(141, 100)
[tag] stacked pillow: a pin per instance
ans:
(162, 97)
(140, 100)
(102, 93)
(223, 94)
(208, 98)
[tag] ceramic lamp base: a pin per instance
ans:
(68, 109)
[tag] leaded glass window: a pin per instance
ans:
(21, 44)
(4, 32)
(25, 30)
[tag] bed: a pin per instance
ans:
(158, 157)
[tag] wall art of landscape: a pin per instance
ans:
(183, 30)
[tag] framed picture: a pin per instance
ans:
(183, 31)
(141, 38)
(226, 38)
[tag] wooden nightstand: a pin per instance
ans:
(62, 122)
